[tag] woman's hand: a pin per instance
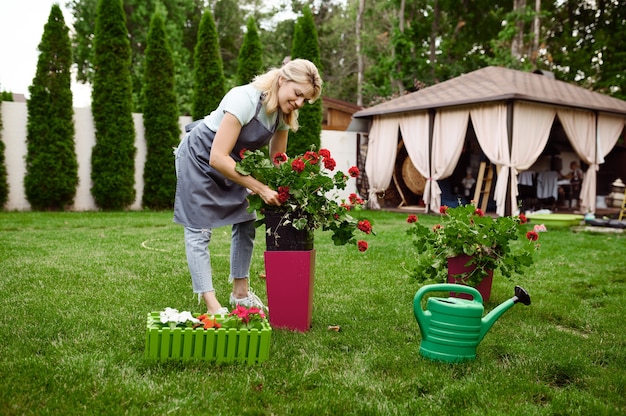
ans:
(269, 196)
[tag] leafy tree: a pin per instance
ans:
(611, 77)
(305, 45)
(406, 45)
(113, 156)
(183, 19)
(4, 184)
(51, 165)
(160, 118)
(510, 48)
(209, 80)
(229, 20)
(6, 96)
(277, 43)
(586, 47)
(250, 55)
(337, 38)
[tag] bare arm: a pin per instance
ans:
(278, 144)
(223, 145)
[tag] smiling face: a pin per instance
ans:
(292, 95)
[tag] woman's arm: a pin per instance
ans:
(223, 144)
(278, 144)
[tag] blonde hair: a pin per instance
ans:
(298, 70)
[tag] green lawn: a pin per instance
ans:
(75, 289)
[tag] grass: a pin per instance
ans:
(75, 289)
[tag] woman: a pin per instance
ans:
(210, 193)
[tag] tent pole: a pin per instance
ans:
(431, 128)
(508, 208)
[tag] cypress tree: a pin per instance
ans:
(209, 80)
(51, 165)
(160, 119)
(113, 157)
(4, 184)
(250, 60)
(305, 45)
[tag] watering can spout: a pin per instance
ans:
(521, 295)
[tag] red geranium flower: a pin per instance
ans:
(522, 219)
(411, 219)
(312, 157)
(324, 152)
(280, 158)
(365, 226)
(283, 194)
(355, 200)
(532, 235)
(362, 245)
(297, 165)
(479, 212)
(329, 163)
(241, 152)
(354, 172)
(443, 209)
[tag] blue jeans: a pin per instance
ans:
(199, 257)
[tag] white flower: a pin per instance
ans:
(172, 316)
(169, 315)
(186, 316)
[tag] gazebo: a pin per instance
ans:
(512, 114)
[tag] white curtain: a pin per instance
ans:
(381, 156)
(531, 130)
(609, 130)
(449, 132)
(580, 127)
(414, 129)
(489, 121)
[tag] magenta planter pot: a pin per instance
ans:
(456, 266)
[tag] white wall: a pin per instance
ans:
(342, 146)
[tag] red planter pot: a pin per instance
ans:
(289, 282)
(456, 266)
(289, 273)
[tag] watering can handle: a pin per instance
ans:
(447, 287)
(423, 317)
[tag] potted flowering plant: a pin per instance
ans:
(489, 244)
(305, 184)
(240, 317)
(243, 335)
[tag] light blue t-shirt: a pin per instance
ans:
(241, 102)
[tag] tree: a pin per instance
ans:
(160, 119)
(51, 165)
(183, 19)
(305, 45)
(337, 39)
(228, 22)
(209, 80)
(113, 156)
(250, 62)
(586, 45)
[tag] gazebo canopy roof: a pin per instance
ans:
(496, 84)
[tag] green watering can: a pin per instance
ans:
(452, 328)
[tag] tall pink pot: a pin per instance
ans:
(290, 273)
(456, 266)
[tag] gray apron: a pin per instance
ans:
(204, 197)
